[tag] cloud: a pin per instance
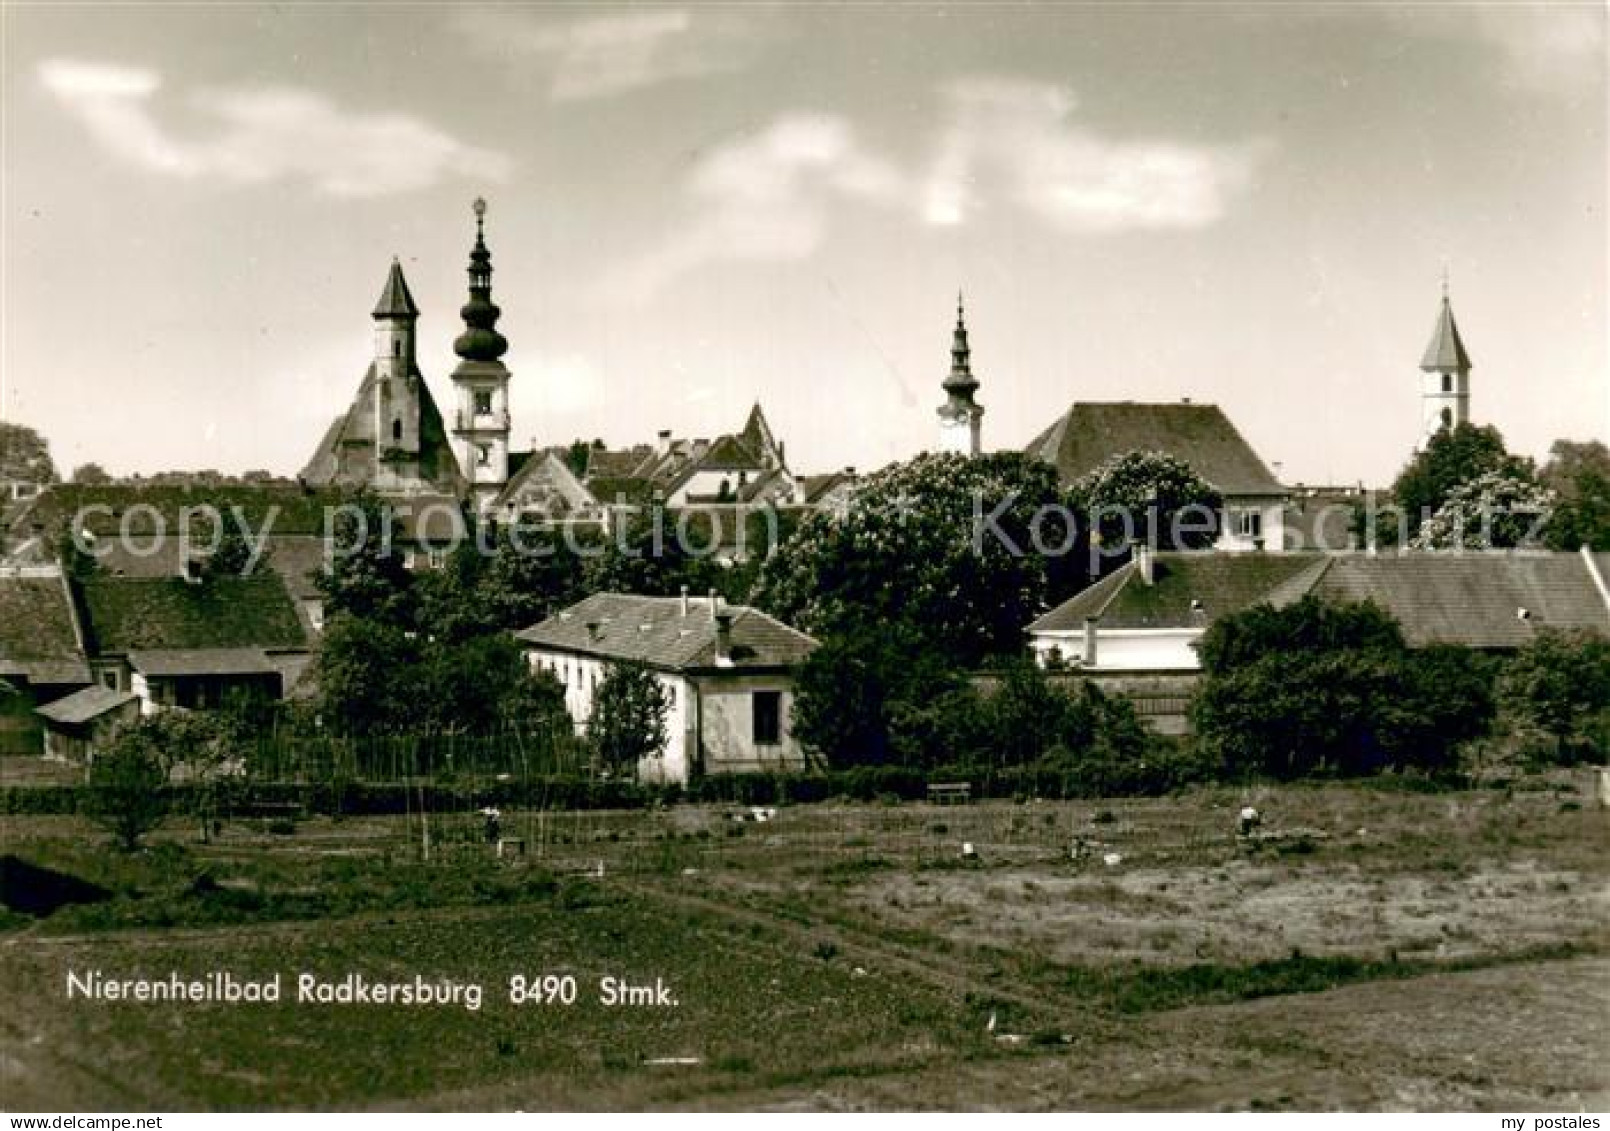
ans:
(262, 135)
(608, 55)
(1000, 144)
(768, 196)
(1549, 48)
(1013, 140)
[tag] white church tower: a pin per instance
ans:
(481, 416)
(960, 417)
(1445, 381)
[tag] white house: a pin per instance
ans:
(727, 672)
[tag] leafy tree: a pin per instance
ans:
(629, 714)
(1560, 685)
(1150, 496)
(1494, 511)
(369, 677)
(91, 475)
(1313, 688)
(203, 748)
(1579, 474)
(368, 577)
(1450, 458)
(850, 692)
(531, 574)
(24, 455)
(578, 453)
(943, 545)
(126, 795)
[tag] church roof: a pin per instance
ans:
(1089, 434)
(1446, 350)
(349, 453)
(655, 631)
(395, 299)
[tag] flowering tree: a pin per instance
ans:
(1497, 510)
(952, 548)
(1152, 496)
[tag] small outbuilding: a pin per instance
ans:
(76, 726)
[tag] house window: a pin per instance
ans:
(396, 347)
(483, 454)
(1250, 524)
(109, 679)
(396, 430)
(1447, 382)
(483, 402)
(768, 717)
(1447, 418)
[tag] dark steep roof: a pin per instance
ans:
(656, 632)
(1446, 350)
(349, 454)
(395, 299)
(1089, 434)
(38, 640)
(124, 614)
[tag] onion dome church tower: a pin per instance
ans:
(960, 417)
(481, 382)
(1445, 384)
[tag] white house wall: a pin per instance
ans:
(727, 723)
(1272, 512)
(1121, 649)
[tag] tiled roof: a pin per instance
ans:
(1476, 600)
(168, 662)
(1472, 599)
(1187, 591)
(82, 706)
(1446, 350)
(655, 631)
(37, 636)
(125, 614)
(1089, 434)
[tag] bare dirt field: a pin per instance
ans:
(1376, 949)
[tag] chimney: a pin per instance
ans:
(724, 639)
(664, 442)
(592, 630)
(1089, 659)
(715, 601)
(1145, 561)
(684, 600)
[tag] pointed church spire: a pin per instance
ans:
(395, 300)
(480, 341)
(1446, 351)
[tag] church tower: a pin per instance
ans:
(396, 383)
(481, 418)
(1445, 384)
(960, 417)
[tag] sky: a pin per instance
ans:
(694, 208)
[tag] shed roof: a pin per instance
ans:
(82, 706)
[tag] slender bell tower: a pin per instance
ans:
(1445, 380)
(960, 417)
(481, 382)
(397, 383)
